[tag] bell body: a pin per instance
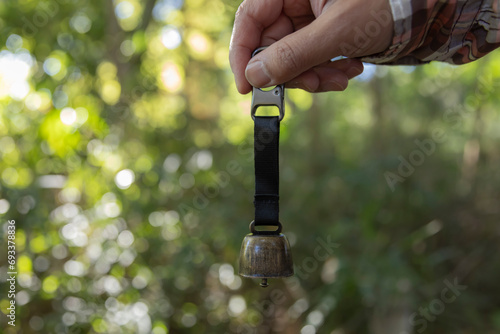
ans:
(265, 256)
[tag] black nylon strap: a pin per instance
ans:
(266, 150)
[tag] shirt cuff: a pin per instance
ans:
(401, 14)
(454, 31)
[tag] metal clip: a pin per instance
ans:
(269, 97)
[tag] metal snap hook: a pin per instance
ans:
(273, 97)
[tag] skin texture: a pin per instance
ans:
(303, 36)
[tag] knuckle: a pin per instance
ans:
(241, 9)
(288, 57)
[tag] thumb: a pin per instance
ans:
(291, 56)
(281, 62)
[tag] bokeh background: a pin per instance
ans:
(126, 162)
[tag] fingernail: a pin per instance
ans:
(354, 71)
(257, 75)
(334, 86)
(308, 88)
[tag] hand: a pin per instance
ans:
(303, 36)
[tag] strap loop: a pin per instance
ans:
(266, 150)
(254, 231)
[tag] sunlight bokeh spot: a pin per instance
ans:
(170, 37)
(171, 217)
(74, 268)
(124, 178)
(159, 329)
(14, 42)
(125, 239)
(111, 209)
(70, 195)
(186, 180)
(188, 320)
(237, 305)
(19, 90)
(15, 69)
(199, 45)
(52, 66)
(59, 99)
(107, 70)
(10, 176)
(73, 304)
(68, 116)
(124, 10)
(171, 232)
(7, 145)
(236, 283)
(308, 329)
(4, 206)
(22, 297)
(139, 282)
(156, 218)
(110, 91)
(171, 77)
(39, 244)
(126, 258)
(111, 285)
(24, 264)
(82, 115)
(33, 101)
(226, 274)
(50, 284)
(316, 318)
(59, 251)
(172, 163)
(68, 318)
(140, 309)
(201, 160)
(81, 23)
(163, 8)
(127, 48)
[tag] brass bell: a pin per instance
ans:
(265, 255)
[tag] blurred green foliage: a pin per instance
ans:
(126, 162)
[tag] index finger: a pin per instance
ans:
(252, 17)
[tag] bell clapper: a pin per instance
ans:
(264, 283)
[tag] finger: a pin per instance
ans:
(324, 81)
(252, 17)
(280, 28)
(350, 66)
(332, 76)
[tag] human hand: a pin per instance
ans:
(303, 36)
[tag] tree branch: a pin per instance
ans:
(147, 14)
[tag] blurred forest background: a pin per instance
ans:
(126, 162)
